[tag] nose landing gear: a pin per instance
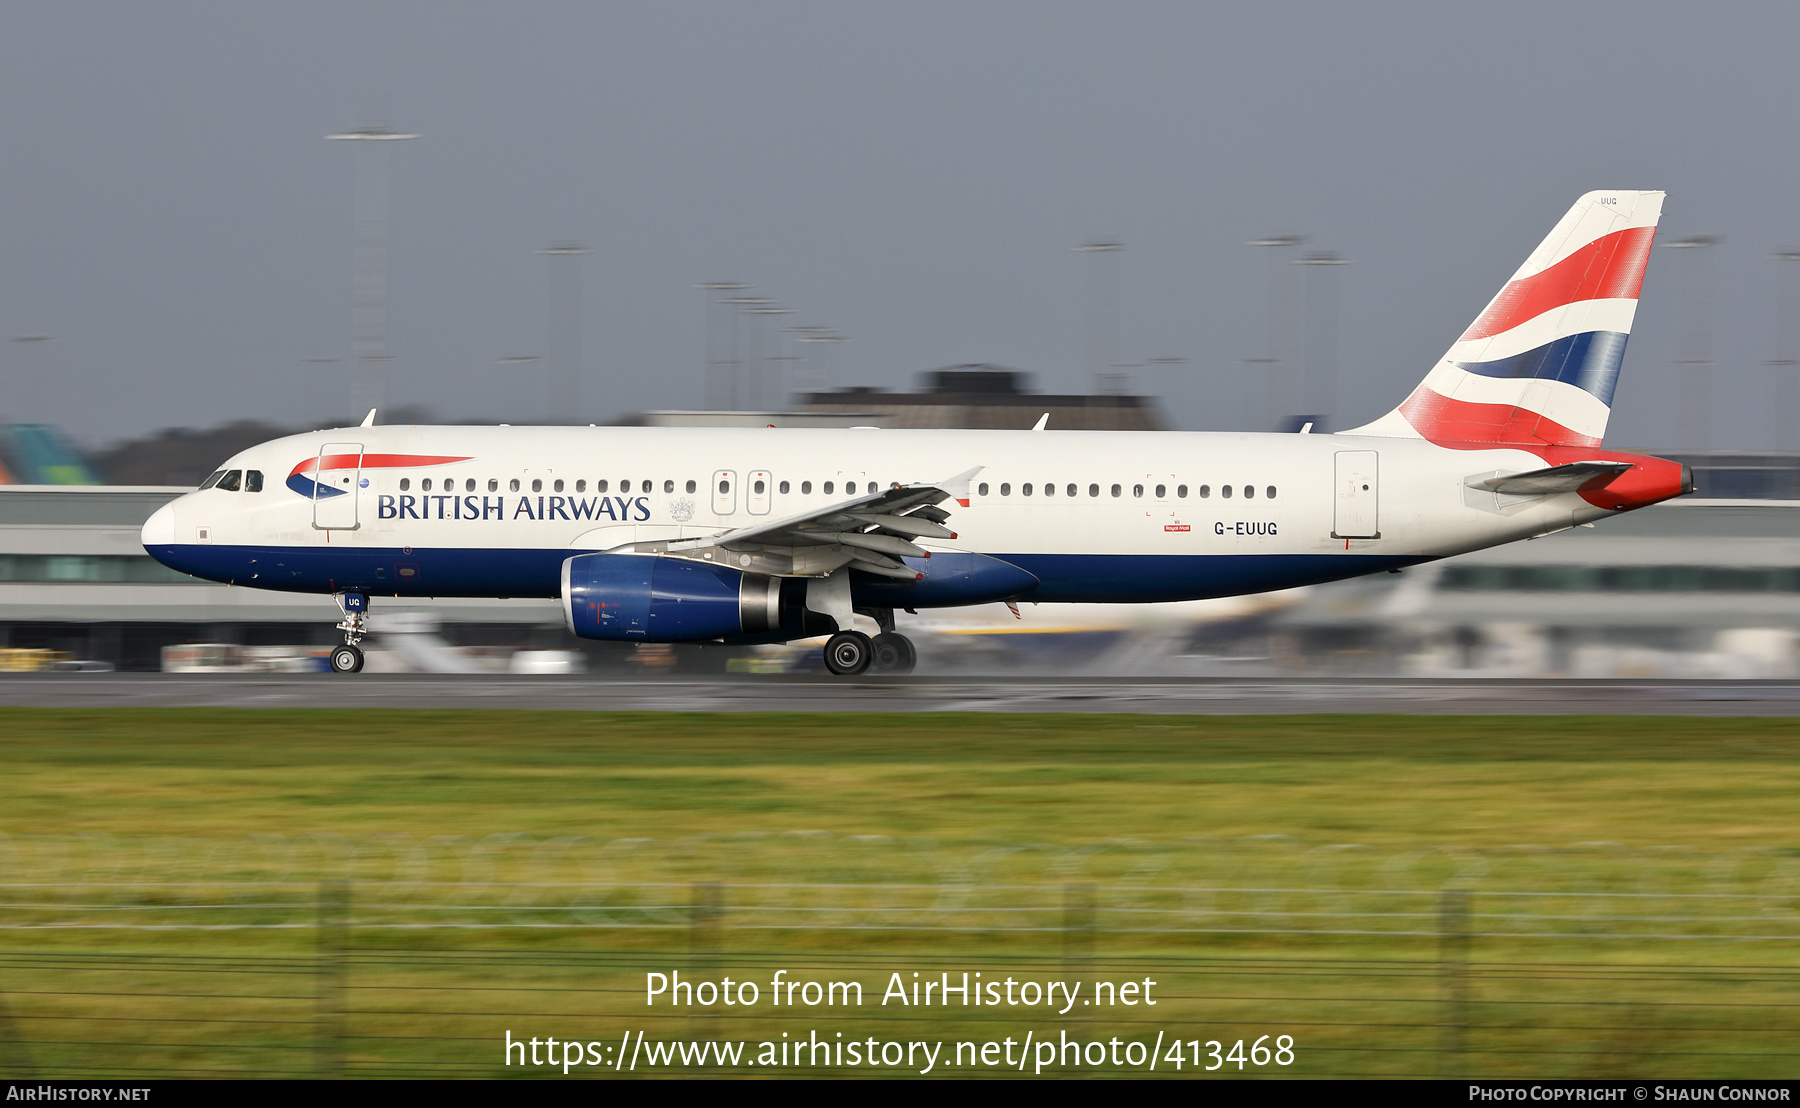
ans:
(349, 657)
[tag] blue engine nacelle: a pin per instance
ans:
(648, 598)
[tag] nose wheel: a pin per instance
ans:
(347, 659)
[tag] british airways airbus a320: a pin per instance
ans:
(665, 535)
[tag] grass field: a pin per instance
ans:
(1073, 846)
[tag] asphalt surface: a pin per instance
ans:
(1162, 696)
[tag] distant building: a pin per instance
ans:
(991, 398)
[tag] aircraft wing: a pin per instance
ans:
(1555, 479)
(870, 532)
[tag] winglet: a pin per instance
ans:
(1043, 421)
(368, 420)
(958, 486)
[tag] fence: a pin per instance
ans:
(243, 957)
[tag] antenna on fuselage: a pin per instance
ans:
(368, 420)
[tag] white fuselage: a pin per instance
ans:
(1094, 516)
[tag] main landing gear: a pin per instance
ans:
(349, 657)
(850, 653)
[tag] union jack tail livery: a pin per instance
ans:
(1538, 366)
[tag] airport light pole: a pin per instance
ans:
(1783, 363)
(721, 346)
(1102, 310)
(817, 341)
(1176, 383)
(1694, 367)
(1281, 305)
(739, 304)
(1319, 386)
(516, 363)
(368, 322)
(563, 391)
(756, 387)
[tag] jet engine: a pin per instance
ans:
(652, 598)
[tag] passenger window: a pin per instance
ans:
(1137, 490)
(827, 488)
(557, 487)
(691, 486)
(493, 484)
(724, 486)
(405, 483)
(1025, 490)
(1070, 490)
(253, 481)
(1162, 492)
(537, 485)
(581, 486)
(1225, 491)
(668, 486)
(805, 487)
(646, 487)
(601, 485)
(469, 485)
(759, 487)
(1181, 492)
(513, 484)
(782, 488)
(1205, 491)
(1049, 489)
(213, 480)
(1093, 490)
(1269, 492)
(1249, 491)
(231, 480)
(625, 486)
(981, 489)
(1005, 489)
(1115, 490)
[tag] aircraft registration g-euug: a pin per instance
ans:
(758, 535)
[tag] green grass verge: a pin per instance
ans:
(975, 803)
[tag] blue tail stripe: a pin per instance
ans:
(1589, 361)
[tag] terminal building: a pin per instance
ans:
(1705, 586)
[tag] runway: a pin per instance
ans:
(1160, 696)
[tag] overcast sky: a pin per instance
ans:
(914, 175)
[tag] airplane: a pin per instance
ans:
(759, 535)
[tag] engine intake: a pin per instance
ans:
(650, 598)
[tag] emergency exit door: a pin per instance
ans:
(1356, 512)
(337, 486)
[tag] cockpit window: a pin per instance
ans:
(253, 480)
(231, 481)
(213, 480)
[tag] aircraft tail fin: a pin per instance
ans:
(1539, 364)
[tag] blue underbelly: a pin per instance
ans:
(957, 580)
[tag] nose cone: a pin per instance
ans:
(159, 529)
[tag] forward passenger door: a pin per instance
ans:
(337, 487)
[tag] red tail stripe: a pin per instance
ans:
(373, 461)
(1610, 267)
(1453, 423)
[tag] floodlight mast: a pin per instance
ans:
(368, 313)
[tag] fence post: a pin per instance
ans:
(333, 941)
(15, 1054)
(704, 917)
(1078, 925)
(1453, 981)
